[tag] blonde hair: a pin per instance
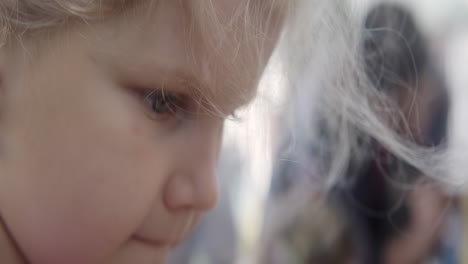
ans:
(249, 35)
(322, 39)
(19, 18)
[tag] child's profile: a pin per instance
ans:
(111, 119)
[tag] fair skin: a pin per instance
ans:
(92, 171)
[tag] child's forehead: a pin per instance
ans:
(156, 49)
(179, 76)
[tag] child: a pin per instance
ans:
(111, 119)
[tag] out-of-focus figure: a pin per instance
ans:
(383, 211)
(401, 224)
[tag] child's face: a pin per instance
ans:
(95, 168)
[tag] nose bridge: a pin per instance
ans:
(194, 184)
(205, 140)
(204, 156)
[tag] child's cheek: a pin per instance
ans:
(84, 179)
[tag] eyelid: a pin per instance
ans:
(184, 106)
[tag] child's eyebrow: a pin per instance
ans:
(150, 74)
(218, 99)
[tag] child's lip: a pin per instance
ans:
(156, 242)
(171, 237)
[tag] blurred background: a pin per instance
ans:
(233, 232)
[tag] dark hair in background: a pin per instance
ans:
(395, 52)
(395, 57)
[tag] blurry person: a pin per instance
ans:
(382, 207)
(401, 224)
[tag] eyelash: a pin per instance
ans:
(164, 105)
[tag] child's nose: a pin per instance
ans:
(194, 184)
(191, 192)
